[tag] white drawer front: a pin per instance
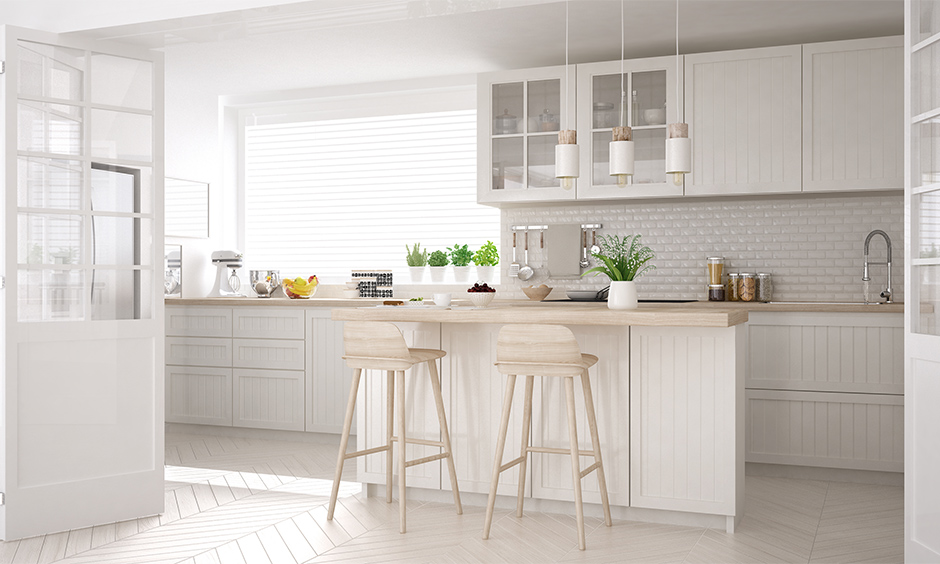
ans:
(269, 399)
(268, 323)
(199, 395)
(199, 351)
(184, 321)
(857, 431)
(268, 353)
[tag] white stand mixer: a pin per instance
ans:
(226, 284)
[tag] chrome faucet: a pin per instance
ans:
(886, 294)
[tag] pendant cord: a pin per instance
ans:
(678, 116)
(564, 111)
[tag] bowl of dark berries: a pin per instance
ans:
(481, 295)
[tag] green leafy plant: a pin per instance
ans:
(487, 255)
(438, 258)
(460, 255)
(415, 256)
(623, 258)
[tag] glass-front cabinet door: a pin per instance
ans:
(646, 98)
(520, 115)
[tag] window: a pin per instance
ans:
(329, 196)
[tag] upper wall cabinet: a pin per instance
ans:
(652, 89)
(520, 114)
(853, 108)
(743, 111)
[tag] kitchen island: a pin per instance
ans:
(669, 391)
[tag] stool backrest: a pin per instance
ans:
(374, 340)
(537, 344)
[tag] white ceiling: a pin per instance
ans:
(408, 38)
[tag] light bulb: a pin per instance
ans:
(621, 180)
(677, 178)
(567, 182)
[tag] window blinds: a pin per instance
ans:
(326, 197)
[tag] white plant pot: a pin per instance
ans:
(437, 274)
(622, 295)
(461, 274)
(485, 273)
(417, 274)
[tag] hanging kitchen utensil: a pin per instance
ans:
(526, 272)
(542, 263)
(514, 267)
(594, 248)
(584, 260)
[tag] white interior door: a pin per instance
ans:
(82, 380)
(922, 281)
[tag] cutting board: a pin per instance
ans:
(563, 249)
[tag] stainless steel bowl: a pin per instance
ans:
(264, 282)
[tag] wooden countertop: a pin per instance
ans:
(703, 306)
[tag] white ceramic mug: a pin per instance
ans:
(442, 299)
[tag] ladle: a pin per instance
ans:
(526, 272)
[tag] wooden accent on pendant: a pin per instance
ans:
(623, 134)
(568, 137)
(678, 130)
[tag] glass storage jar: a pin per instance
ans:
(747, 286)
(732, 293)
(765, 287)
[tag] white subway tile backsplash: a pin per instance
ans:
(811, 245)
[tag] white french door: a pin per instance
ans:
(81, 438)
(922, 282)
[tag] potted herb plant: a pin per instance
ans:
(460, 256)
(417, 260)
(438, 262)
(486, 258)
(622, 260)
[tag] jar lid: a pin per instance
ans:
(715, 258)
(763, 275)
(716, 286)
(733, 275)
(747, 274)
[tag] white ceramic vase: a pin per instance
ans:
(485, 273)
(461, 274)
(622, 295)
(417, 274)
(437, 274)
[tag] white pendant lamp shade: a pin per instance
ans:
(622, 155)
(567, 161)
(678, 152)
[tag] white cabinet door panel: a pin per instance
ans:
(268, 323)
(328, 377)
(268, 399)
(276, 354)
(199, 395)
(199, 351)
(856, 431)
(183, 321)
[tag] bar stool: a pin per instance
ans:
(550, 351)
(373, 345)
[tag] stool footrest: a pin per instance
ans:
(425, 442)
(559, 451)
(511, 463)
(431, 458)
(590, 469)
(349, 455)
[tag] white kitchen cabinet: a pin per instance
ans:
(328, 379)
(520, 114)
(853, 107)
(268, 323)
(743, 111)
(268, 399)
(199, 395)
(610, 386)
(826, 390)
(420, 413)
(651, 92)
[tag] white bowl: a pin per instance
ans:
(481, 299)
(655, 116)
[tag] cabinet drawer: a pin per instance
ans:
(268, 323)
(199, 351)
(268, 399)
(199, 395)
(832, 430)
(184, 321)
(268, 353)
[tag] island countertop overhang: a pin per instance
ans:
(577, 315)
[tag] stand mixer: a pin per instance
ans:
(226, 284)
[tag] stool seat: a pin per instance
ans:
(372, 345)
(545, 350)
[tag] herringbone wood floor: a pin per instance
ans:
(253, 501)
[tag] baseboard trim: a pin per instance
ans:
(824, 474)
(267, 434)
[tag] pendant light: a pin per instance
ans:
(678, 144)
(567, 166)
(621, 147)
